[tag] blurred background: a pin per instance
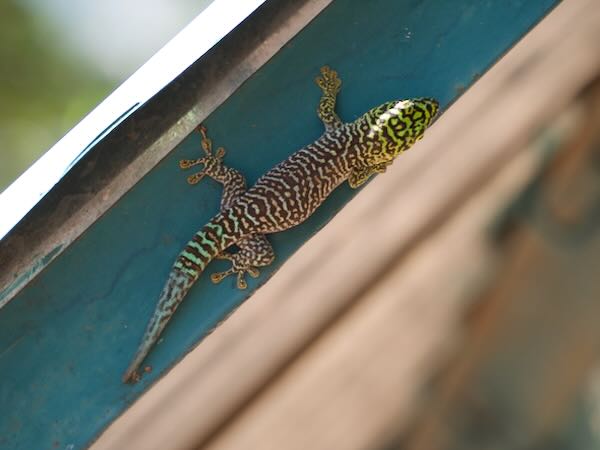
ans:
(62, 58)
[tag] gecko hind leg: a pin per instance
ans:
(330, 84)
(254, 252)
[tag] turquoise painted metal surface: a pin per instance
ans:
(66, 339)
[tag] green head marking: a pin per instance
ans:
(395, 126)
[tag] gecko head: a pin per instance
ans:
(397, 125)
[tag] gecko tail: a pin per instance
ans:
(176, 287)
(189, 265)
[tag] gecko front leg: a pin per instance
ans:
(234, 183)
(360, 175)
(253, 251)
(330, 84)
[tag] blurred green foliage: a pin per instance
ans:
(44, 89)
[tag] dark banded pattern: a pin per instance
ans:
(206, 244)
(200, 250)
(286, 195)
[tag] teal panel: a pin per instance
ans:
(66, 339)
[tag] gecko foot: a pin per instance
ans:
(212, 163)
(240, 272)
(329, 81)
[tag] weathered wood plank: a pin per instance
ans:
(298, 363)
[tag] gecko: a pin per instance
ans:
(285, 196)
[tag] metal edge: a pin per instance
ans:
(193, 41)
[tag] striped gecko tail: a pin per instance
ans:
(172, 294)
(189, 265)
